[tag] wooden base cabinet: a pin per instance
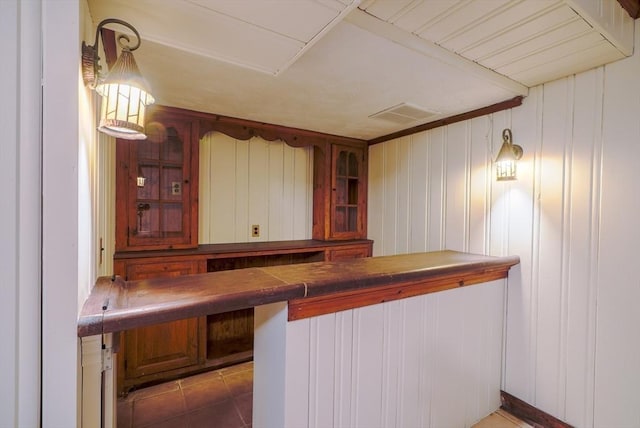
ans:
(163, 348)
(170, 350)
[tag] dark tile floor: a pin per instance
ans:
(221, 398)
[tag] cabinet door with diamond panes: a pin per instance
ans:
(157, 190)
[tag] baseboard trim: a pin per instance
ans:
(530, 414)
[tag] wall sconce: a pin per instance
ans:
(124, 91)
(507, 157)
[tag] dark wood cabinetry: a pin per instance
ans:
(157, 185)
(174, 349)
(340, 192)
(156, 233)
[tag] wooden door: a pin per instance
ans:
(157, 185)
(151, 352)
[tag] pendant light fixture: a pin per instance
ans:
(507, 158)
(125, 93)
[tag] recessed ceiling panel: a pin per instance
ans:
(325, 71)
(267, 36)
(514, 36)
(300, 20)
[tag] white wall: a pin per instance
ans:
(253, 182)
(573, 328)
(62, 235)
(20, 219)
(426, 361)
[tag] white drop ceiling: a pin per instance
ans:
(331, 65)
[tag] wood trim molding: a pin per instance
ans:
(530, 414)
(504, 105)
(321, 305)
(631, 6)
(243, 129)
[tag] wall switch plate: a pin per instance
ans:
(255, 230)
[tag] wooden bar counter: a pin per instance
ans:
(310, 289)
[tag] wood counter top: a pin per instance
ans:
(311, 288)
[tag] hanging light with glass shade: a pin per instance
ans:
(507, 158)
(125, 93)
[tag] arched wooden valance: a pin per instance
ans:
(243, 129)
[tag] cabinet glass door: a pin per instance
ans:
(159, 189)
(159, 182)
(347, 189)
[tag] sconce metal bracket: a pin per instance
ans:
(90, 59)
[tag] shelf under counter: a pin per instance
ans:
(242, 249)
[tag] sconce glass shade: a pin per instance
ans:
(124, 91)
(124, 99)
(506, 168)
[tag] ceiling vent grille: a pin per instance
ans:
(404, 113)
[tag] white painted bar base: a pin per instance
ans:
(427, 361)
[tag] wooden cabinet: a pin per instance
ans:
(169, 350)
(157, 235)
(157, 185)
(340, 192)
(164, 350)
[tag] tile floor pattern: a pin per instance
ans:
(221, 398)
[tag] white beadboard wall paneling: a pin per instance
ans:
(478, 194)
(429, 359)
(583, 202)
(367, 366)
(572, 336)
(617, 402)
(392, 362)
(390, 191)
(302, 180)
(449, 349)
(522, 301)
(419, 179)
(259, 187)
(241, 177)
(425, 361)
(376, 197)
(275, 202)
(457, 186)
(243, 183)
(322, 348)
(343, 369)
(436, 195)
(500, 191)
(410, 399)
(404, 190)
(554, 191)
